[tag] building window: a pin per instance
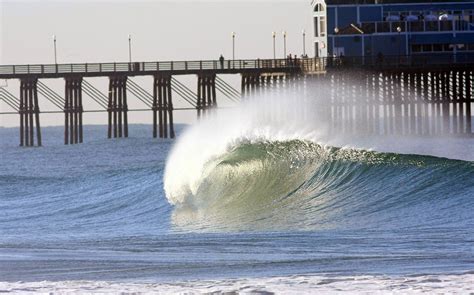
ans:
(316, 27)
(446, 25)
(416, 48)
(426, 48)
(322, 26)
(383, 27)
(437, 47)
(461, 47)
(318, 7)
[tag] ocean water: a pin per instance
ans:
(238, 203)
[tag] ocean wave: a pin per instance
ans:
(301, 185)
(249, 169)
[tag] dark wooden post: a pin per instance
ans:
(170, 108)
(109, 109)
(155, 107)
(119, 92)
(165, 108)
(214, 96)
(160, 106)
(419, 104)
(114, 104)
(209, 92)
(26, 108)
(30, 111)
(468, 83)
(459, 102)
(75, 92)
(66, 112)
(243, 85)
(22, 114)
(37, 112)
(125, 108)
(71, 112)
(445, 91)
(454, 101)
(405, 88)
(80, 109)
(432, 95)
(199, 97)
(437, 78)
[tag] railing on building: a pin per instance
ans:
(415, 26)
(315, 65)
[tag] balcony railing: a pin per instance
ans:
(415, 26)
(395, 61)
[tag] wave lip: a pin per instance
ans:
(288, 185)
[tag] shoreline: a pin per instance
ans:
(294, 284)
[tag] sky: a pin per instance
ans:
(97, 31)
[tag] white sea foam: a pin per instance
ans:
(302, 284)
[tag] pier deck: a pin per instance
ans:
(412, 89)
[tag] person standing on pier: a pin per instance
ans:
(221, 60)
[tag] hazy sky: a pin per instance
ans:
(96, 31)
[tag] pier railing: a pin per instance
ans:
(127, 67)
(305, 65)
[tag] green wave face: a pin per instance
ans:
(300, 185)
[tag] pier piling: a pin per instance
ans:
(29, 113)
(117, 107)
(163, 105)
(73, 110)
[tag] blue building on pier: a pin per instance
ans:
(375, 28)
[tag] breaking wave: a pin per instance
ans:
(245, 170)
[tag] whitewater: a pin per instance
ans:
(264, 198)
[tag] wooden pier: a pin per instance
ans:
(400, 95)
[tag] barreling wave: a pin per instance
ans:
(302, 185)
(249, 174)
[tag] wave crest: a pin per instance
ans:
(242, 170)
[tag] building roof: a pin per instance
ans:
(361, 2)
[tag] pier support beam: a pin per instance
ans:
(117, 107)
(206, 98)
(162, 107)
(469, 99)
(29, 112)
(250, 84)
(73, 131)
